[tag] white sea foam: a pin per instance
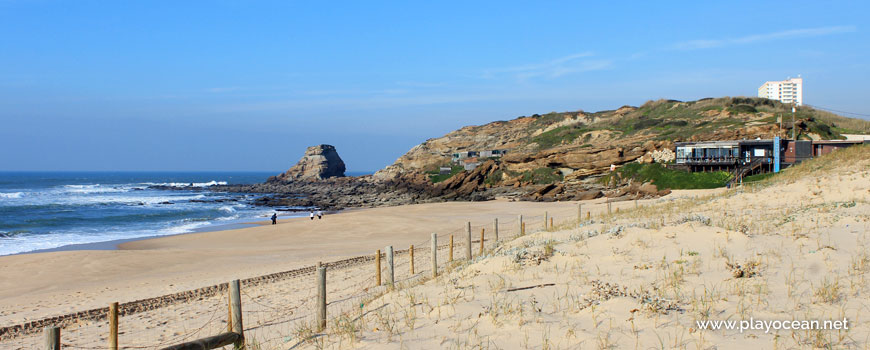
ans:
(28, 243)
(187, 184)
(114, 194)
(96, 188)
(104, 197)
(184, 228)
(228, 218)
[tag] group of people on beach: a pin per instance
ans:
(319, 215)
(311, 216)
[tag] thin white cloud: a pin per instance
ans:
(574, 63)
(785, 34)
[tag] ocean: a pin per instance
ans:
(47, 210)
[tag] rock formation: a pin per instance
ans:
(582, 144)
(319, 162)
(551, 157)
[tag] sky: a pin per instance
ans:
(248, 85)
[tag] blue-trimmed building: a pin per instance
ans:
(747, 157)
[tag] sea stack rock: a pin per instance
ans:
(319, 162)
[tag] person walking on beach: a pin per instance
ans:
(312, 215)
(319, 215)
(274, 218)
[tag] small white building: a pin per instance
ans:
(785, 91)
(495, 153)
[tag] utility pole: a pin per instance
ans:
(780, 124)
(793, 126)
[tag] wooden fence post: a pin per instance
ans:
(588, 215)
(378, 268)
(236, 296)
(412, 259)
(434, 255)
(52, 338)
(468, 241)
(113, 326)
(495, 228)
(321, 298)
(520, 229)
(608, 206)
(546, 218)
(229, 309)
(391, 272)
(523, 229)
(450, 258)
(481, 241)
(551, 223)
(579, 213)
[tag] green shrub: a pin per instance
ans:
(547, 119)
(823, 130)
(436, 177)
(745, 109)
(542, 176)
(494, 178)
(675, 123)
(556, 136)
(645, 123)
(669, 178)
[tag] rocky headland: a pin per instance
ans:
(550, 157)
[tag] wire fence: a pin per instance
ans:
(278, 310)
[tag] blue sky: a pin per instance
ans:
(237, 85)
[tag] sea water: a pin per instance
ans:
(45, 210)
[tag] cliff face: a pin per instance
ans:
(319, 162)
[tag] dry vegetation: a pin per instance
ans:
(793, 247)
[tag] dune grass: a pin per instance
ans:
(758, 177)
(837, 159)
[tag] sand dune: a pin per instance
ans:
(796, 249)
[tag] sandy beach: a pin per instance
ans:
(41, 285)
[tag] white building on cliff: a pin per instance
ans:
(786, 91)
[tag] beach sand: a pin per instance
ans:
(34, 286)
(795, 248)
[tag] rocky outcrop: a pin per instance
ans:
(562, 192)
(319, 162)
(464, 184)
(639, 191)
(337, 192)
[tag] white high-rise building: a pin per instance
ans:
(787, 91)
